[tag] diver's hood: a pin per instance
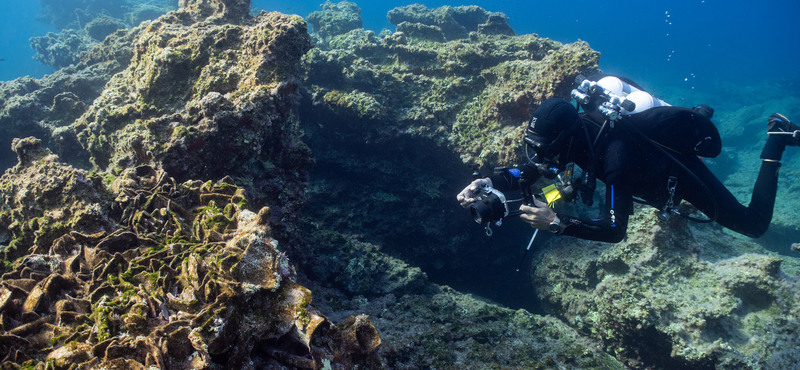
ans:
(553, 118)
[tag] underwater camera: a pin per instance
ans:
(490, 205)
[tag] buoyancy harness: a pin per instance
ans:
(620, 103)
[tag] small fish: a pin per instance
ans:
(2, 59)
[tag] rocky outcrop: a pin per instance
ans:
(334, 19)
(205, 97)
(674, 295)
(46, 107)
(452, 23)
(157, 223)
(168, 274)
(396, 120)
(469, 89)
(151, 256)
(439, 327)
(44, 199)
(85, 23)
(62, 49)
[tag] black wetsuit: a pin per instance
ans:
(632, 167)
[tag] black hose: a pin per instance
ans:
(690, 172)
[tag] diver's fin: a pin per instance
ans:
(778, 124)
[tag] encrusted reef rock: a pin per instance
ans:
(674, 295)
(451, 23)
(395, 121)
(469, 89)
(150, 256)
(43, 199)
(438, 327)
(225, 10)
(334, 19)
(208, 95)
(168, 274)
(46, 107)
(62, 49)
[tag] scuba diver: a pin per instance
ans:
(642, 149)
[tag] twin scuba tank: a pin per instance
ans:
(617, 97)
(683, 131)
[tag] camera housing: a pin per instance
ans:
(490, 205)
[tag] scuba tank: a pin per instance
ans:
(641, 99)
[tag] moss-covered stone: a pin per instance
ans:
(655, 301)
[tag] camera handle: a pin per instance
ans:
(527, 249)
(525, 189)
(527, 197)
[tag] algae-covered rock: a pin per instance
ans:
(204, 100)
(60, 50)
(396, 123)
(357, 267)
(471, 92)
(674, 296)
(438, 327)
(44, 198)
(335, 19)
(84, 23)
(99, 28)
(453, 22)
(45, 107)
(178, 276)
(128, 266)
(75, 14)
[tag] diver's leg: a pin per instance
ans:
(720, 203)
(754, 219)
(762, 201)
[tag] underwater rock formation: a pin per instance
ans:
(168, 274)
(395, 121)
(162, 224)
(99, 28)
(84, 23)
(44, 199)
(206, 96)
(45, 107)
(674, 295)
(62, 49)
(439, 327)
(452, 23)
(334, 19)
(152, 256)
(472, 93)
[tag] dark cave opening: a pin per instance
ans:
(398, 192)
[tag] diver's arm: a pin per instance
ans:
(612, 227)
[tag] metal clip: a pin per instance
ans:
(672, 182)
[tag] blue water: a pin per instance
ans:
(684, 43)
(17, 25)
